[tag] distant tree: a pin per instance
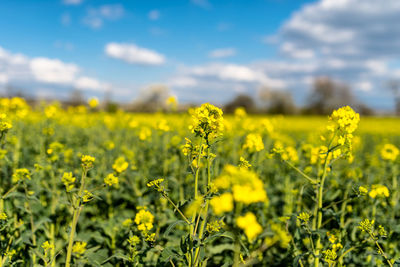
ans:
(242, 100)
(76, 98)
(328, 95)
(394, 86)
(277, 101)
(152, 98)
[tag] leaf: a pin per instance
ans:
(171, 226)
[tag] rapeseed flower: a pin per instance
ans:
(222, 203)
(144, 219)
(120, 164)
(111, 180)
(79, 248)
(253, 143)
(20, 175)
(249, 224)
(207, 121)
(389, 152)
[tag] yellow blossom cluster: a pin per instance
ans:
(207, 121)
(389, 152)
(20, 175)
(120, 164)
(87, 161)
(68, 180)
(79, 248)
(344, 122)
(249, 224)
(111, 180)
(378, 190)
(144, 219)
(253, 143)
(222, 203)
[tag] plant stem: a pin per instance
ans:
(77, 211)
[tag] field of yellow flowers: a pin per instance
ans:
(81, 187)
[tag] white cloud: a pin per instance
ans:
(96, 16)
(222, 53)
(133, 54)
(3, 78)
(53, 70)
(17, 68)
(154, 15)
(90, 84)
(72, 2)
(364, 86)
(182, 81)
(291, 50)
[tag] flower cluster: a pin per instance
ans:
(79, 248)
(345, 121)
(144, 219)
(214, 226)
(253, 143)
(378, 190)
(246, 186)
(120, 165)
(249, 224)
(389, 152)
(21, 175)
(304, 217)
(111, 180)
(4, 125)
(207, 121)
(222, 203)
(87, 161)
(68, 180)
(157, 184)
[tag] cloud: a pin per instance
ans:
(90, 84)
(291, 50)
(72, 2)
(53, 71)
(182, 81)
(95, 17)
(201, 3)
(346, 28)
(222, 53)
(133, 54)
(66, 19)
(154, 14)
(38, 71)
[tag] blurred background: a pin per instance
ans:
(269, 56)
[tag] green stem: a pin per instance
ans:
(77, 211)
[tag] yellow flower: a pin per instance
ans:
(20, 175)
(389, 152)
(240, 112)
(157, 184)
(120, 164)
(304, 217)
(93, 102)
(145, 133)
(87, 161)
(329, 255)
(172, 102)
(79, 248)
(362, 190)
(379, 190)
(111, 180)
(3, 216)
(144, 219)
(87, 196)
(250, 225)
(214, 226)
(222, 203)
(46, 246)
(253, 143)
(207, 121)
(68, 179)
(134, 240)
(246, 186)
(243, 164)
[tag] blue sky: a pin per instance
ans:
(203, 50)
